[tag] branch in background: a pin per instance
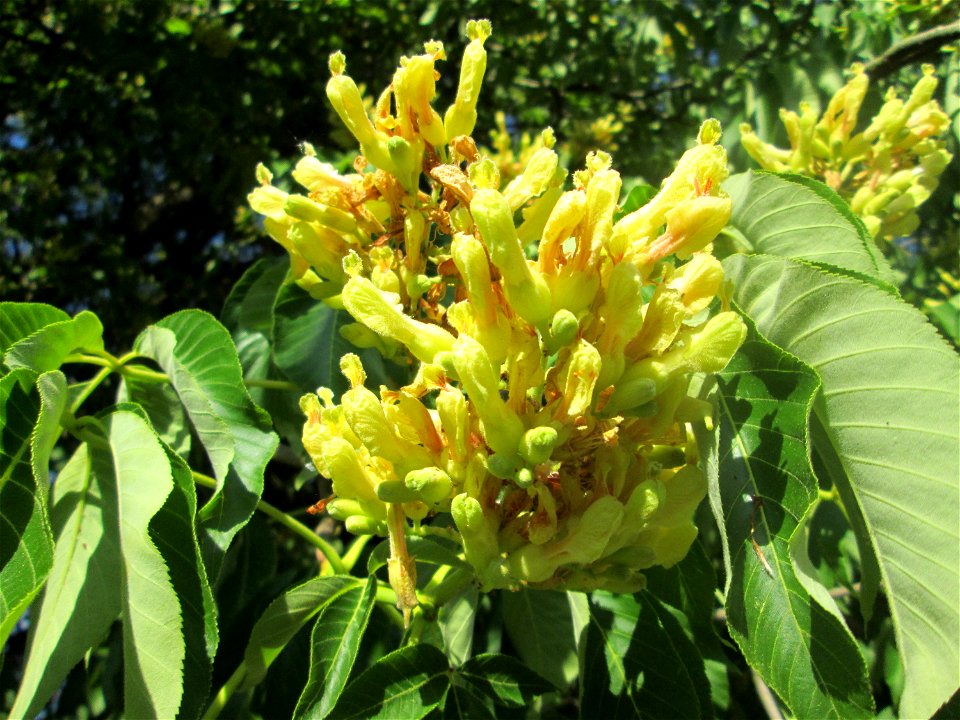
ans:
(836, 593)
(922, 46)
(766, 696)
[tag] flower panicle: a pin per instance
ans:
(554, 337)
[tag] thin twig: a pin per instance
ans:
(766, 697)
(913, 49)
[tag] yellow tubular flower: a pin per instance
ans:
(462, 115)
(369, 306)
(526, 289)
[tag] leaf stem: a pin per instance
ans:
(271, 384)
(91, 385)
(296, 527)
(223, 696)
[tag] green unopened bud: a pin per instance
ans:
(363, 525)
(431, 484)
(563, 329)
(502, 465)
(479, 539)
(342, 508)
(395, 491)
(523, 477)
(454, 420)
(538, 443)
(685, 489)
(461, 117)
(630, 394)
(303, 208)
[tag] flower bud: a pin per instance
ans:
(430, 484)
(395, 491)
(480, 545)
(454, 421)
(538, 443)
(363, 525)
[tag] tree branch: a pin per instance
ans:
(913, 49)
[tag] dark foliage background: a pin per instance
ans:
(131, 129)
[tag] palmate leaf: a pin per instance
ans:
(173, 531)
(765, 492)
(20, 320)
(307, 345)
(248, 315)
(795, 216)
(334, 643)
(201, 361)
(26, 543)
(408, 683)
(285, 617)
(887, 430)
(637, 662)
(48, 347)
(105, 566)
(503, 679)
(543, 626)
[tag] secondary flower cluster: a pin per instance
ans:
(548, 415)
(886, 171)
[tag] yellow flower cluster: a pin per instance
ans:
(886, 171)
(556, 340)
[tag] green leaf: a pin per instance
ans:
(456, 618)
(248, 315)
(767, 488)
(173, 531)
(689, 587)
(307, 344)
(201, 361)
(540, 624)
(796, 217)
(638, 196)
(887, 427)
(48, 347)
(284, 618)
(26, 543)
(947, 317)
(464, 703)
(334, 644)
(503, 679)
(106, 498)
(54, 397)
(20, 320)
(408, 683)
(636, 662)
(164, 409)
(81, 599)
